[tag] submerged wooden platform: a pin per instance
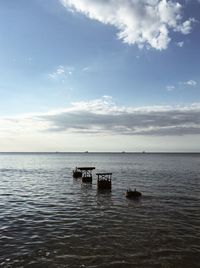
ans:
(86, 173)
(133, 194)
(104, 180)
(77, 173)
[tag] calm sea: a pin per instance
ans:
(48, 219)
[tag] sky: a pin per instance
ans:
(96, 75)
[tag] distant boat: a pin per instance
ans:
(132, 194)
(86, 152)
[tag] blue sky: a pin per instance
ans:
(68, 61)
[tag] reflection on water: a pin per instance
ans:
(48, 219)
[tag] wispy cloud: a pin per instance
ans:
(185, 27)
(61, 73)
(180, 44)
(191, 83)
(145, 22)
(103, 116)
(86, 69)
(170, 88)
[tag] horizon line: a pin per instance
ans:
(100, 152)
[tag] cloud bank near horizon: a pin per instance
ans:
(142, 22)
(104, 117)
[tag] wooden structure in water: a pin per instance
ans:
(133, 194)
(104, 181)
(86, 173)
(77, 173)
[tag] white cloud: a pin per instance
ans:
(191, 83)
(180, 44)
(86, 69)
(61, 73)
(142, 22)
(170, 88)
(104, 117)
(186, 26)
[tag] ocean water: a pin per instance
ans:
(49, 219)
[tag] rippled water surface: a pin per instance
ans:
(48, 219)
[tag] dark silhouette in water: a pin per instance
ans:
(77, 173)
(104, 181)
(133, 194)
(83, 172)
(86, 173)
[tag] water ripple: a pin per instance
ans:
(47, 219)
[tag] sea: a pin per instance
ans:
(49, 219)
